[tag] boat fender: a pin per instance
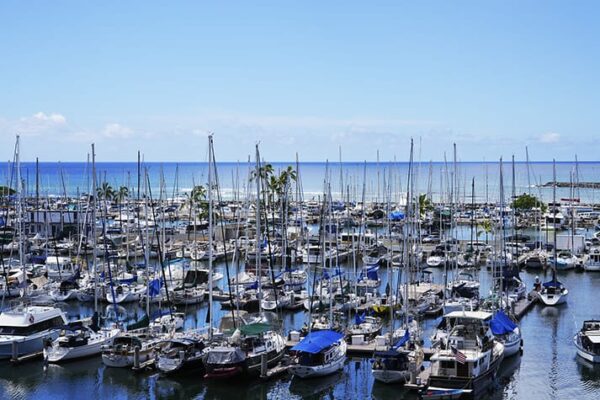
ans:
(31, 319)
(422, 368)
(521, 351)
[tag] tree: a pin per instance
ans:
(425, 204)
(105, 191)
(527, 202)
(6, 191)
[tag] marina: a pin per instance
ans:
(390, 200)
(183, 286)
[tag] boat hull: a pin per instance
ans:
(315, 371)
(26, 346)
(478, 386)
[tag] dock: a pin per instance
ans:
(521, 307)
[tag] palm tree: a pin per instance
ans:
(424, 204)
(285, 176)
(105, 191)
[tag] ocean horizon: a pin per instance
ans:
(73, 178)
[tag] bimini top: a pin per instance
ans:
(501, 324)
(317, 341)
(255, 329)
(483, 315)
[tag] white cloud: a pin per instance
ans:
(549, 137)
(114, 130)
(53, 118)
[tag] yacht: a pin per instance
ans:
(436, 259)
(396, 364)
(468, 358)
(122, 352)
(242, 353)
(60, 268)
(183, 352)
(29, 327)
(587, 341)
(593, 261)
(320, 353)
(79, 341)
(553, 293)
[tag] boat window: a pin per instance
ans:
(31, 329)
(447, 364)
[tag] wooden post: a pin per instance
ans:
(136, 357)
(15, 351)
(263, 365)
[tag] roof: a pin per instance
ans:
(469, 314)
(317, 341)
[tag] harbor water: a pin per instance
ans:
(547, 369)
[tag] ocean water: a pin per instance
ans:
(346, 180)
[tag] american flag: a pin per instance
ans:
(459, 356)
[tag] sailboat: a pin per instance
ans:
(553, 292)
(402, 357)
(79, 340)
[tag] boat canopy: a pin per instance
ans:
(502, 324)
(255, 329)
(316, 341)
(552, 284)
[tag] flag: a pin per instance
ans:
(459, 356)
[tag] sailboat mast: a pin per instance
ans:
(258, 231)
(554, 216)
(210, 236)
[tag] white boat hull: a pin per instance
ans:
(57, 354)
(314, 371)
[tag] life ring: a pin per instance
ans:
(31, 319)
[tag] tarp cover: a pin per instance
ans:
(224, 356)
(317, 341)
(396, 216)
(501, 324)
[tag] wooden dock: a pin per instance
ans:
(521, 307)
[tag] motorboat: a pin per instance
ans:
(318, 354)
(587, 341)
(28, 327)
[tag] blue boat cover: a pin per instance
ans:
(501, 324)
(317, 341)
(360, 318)
(552, 284)
(396, 216)
(154, 287)
(402, 340)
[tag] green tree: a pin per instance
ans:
(527, 202)
(105, 191)
(425, 204)
(6, 191)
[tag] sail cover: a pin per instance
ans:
(501, 324)
(317, 341)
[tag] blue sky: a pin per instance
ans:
(300, 76)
